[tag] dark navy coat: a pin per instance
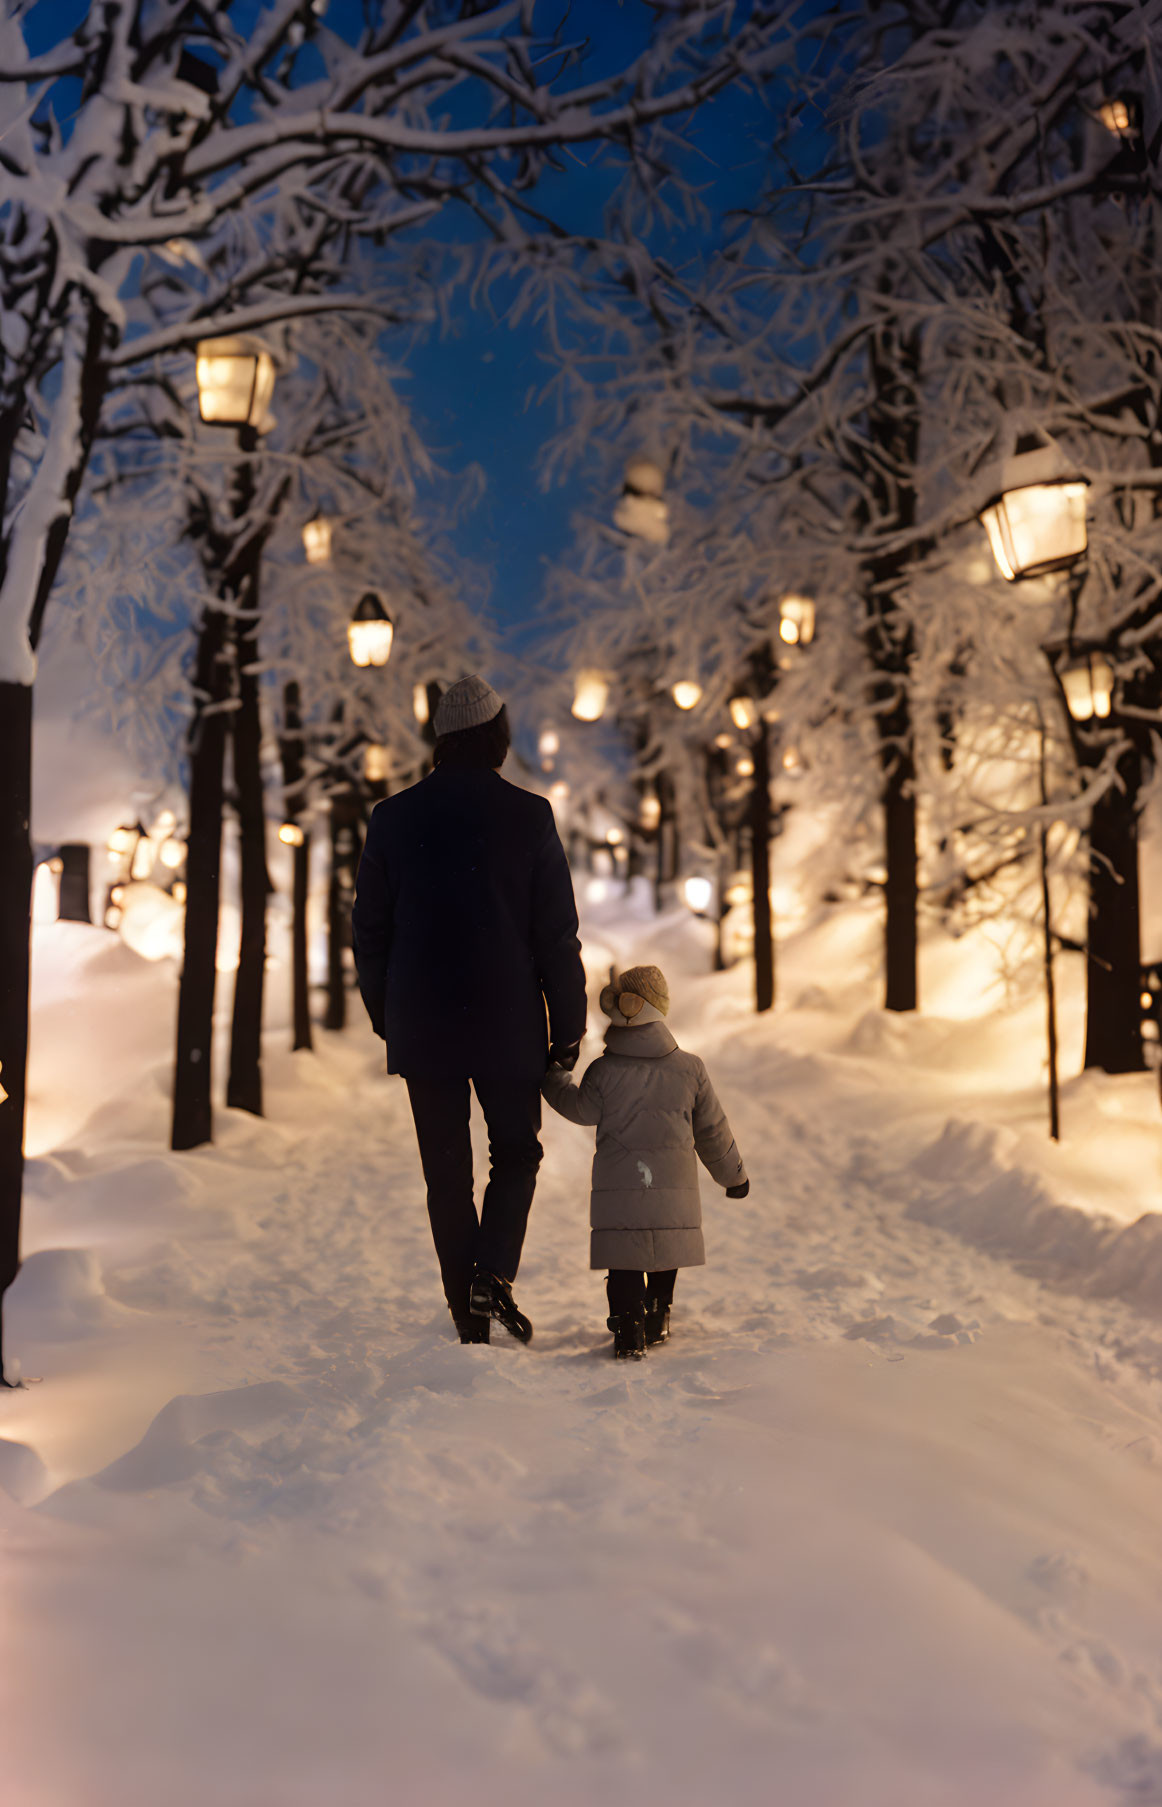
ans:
(465, 928)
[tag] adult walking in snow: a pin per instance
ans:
(656, 1115)
(465, 932)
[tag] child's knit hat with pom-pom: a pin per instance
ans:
(636, 995)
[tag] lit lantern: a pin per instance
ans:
(370, 631)
(642, 510)
(171, 853)
(549, 744)
(235, 383)
(739, 893)
(724, 742)
(686, 693)
(375, 762)
(590, 696)
(1116, 117)
(291, 835)
(698, 893)
(796, 620)
(791, 760)
(1088, 684)
(650, 813)
(559, 794)
(742, 713)
(317, 540)
(744, 767)
(420, 703)
(1036, 523)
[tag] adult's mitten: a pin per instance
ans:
(564, 1055)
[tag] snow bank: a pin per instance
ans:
(973, 1191)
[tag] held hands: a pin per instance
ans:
(738, 1191)
(564, 1055)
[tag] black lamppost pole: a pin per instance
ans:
(235, 382)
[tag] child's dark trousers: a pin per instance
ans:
(628, 1291)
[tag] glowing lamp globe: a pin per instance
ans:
(1036, 523)
(420, 703)
(559, 794)
(549, 744)
(686, 693)
(291, 835)
(642, 510)
(235, 383)
(375, 762)
(650, 813)
(614, 836)
(698, 893)
(370, 631)
(590, 696)
(317, 540)
(796, 620)
(171, 854)
(744, 767)
(1088, 684)
(742, 713)
(1116, 117)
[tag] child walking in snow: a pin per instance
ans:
(655, 1111)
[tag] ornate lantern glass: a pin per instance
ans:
(235, 383)
(317, 540)
(1036, 523)
(590, 696)
(370, 631)
(796, 620)
(1088, 684)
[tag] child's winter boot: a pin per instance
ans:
(629, 1336)
(657, 1322)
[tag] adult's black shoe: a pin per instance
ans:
(472, 1330)
(491, 1297)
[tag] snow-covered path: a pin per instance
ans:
(879, 1525)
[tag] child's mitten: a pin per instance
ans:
(738, 1191)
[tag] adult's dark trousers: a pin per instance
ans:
(512, 1110)
(628, 1291)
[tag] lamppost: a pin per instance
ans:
(1036, 524)
(370, 636)
(235, 380)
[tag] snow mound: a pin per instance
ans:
(169, 1451)
(973, 1194)
(60, 1293)
(23, 1476)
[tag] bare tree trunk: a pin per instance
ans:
(292, 750)
(900, 888)
(244, 1085)
(345, 818)
(1113, 1025)
(15, 963)
(192, 1106)
(74, 905)
(760, 865)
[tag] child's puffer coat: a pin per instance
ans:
(656, 1115)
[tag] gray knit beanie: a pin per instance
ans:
(468, 703)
